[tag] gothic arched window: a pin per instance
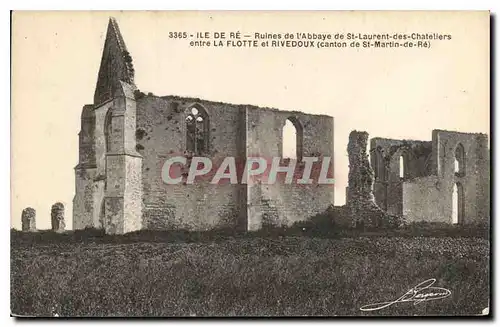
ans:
(197, 127)
(292, 136)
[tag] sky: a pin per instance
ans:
(394, 93)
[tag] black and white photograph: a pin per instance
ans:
(250, 164)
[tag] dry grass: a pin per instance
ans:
(243, 275)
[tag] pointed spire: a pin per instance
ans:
(116, 65)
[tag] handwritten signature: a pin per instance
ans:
(418, 294)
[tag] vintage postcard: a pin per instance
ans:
(239, 164)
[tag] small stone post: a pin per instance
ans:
(28, 220)
(57, 217)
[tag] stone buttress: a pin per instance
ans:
(108, 175)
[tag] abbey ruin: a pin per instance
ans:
(126, 136)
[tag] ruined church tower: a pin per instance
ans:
(108, 174)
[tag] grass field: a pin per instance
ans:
(246, 275)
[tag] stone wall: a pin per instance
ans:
(361, 206)
(161, 132)
(280, 203)
(476, 178)
(425, 191)
(88, 203)
(385, 157)
(85, 201)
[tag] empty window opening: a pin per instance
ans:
(401, 166)
(292, 136)
(289, 140)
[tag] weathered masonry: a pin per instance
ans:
(446, 179)
(127, 135)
